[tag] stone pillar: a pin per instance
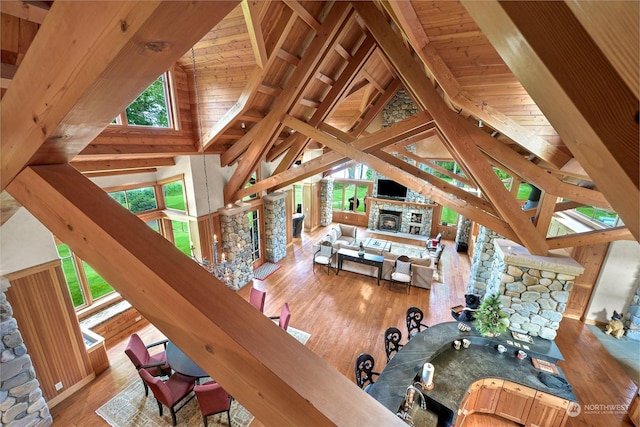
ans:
(275, 242)
(326, 200)
(462, 235)
(236, 246)
(482, 261)
(533, 290)
(21, 401)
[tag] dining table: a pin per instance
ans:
(182, 363)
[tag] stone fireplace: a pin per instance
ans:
(400, 217)
(533, 290)
(389, 220)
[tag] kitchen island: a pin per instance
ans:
(478, 378)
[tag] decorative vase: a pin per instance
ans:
(361, 250)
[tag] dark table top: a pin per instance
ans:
(456, 370)
(354, 254)
(181, 363)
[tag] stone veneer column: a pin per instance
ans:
(326, 199)
(236, 244)
(533, 290)
(21, 401)
(482, 261)
(275, 242)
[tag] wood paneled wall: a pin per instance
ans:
(591, 258)
(48, 324)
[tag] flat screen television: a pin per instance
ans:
(389, 189)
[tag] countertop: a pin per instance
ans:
(456, 370)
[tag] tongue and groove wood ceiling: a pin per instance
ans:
(273, 79)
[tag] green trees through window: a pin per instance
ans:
(150, 108)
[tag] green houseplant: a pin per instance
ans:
(490, 319)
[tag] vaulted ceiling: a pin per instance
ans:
(555, 85)
(556, 108)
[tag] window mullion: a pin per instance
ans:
(84, 283)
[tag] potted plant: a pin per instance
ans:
(490, 319)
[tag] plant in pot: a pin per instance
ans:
(490, 320)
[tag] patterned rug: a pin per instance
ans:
(265, 270)
(130, 408)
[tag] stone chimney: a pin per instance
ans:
(534, 290)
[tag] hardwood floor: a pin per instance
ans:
(347, 314)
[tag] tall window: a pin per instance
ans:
(173, 193)
(85, 284)
(254, 230)
(297, 198)
(151, 108)
(605, 217)
(349, 196)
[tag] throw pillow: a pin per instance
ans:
(403, 267)
(326, 251)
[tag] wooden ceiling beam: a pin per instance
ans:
(109, 55)
(261, 135)
(377, 106)
(589, 106)
(7, 71)
(251, 11)
(117, 164)
(590, 238)
(460, 133)
(336, 93)
(404, 14)
(24, 10)
(247, 96)
(389, 135)
(157, 279)
(304, 14)
(386, 165)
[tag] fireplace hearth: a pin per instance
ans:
(390, 221)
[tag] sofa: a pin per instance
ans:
(342, 235)
(422, 267)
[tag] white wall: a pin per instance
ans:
(617, 282)
(24, 243)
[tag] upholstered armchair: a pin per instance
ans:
(212, 399)
(324, 255)
(401, 272)
(156, 364)
(170, 393)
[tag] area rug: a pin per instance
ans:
(265, 270)
(624, 350)
(131, 408)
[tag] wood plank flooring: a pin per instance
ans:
(347, 314)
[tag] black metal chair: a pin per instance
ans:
(364, 370)
(392, 337)
(414, 321)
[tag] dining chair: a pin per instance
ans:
(324, 255)
(285, 316)
(212, 399)
(392, 337)
(156, 364)
(257, 298)
(170, 393)
(401, 272)
(414, 321)
(364, 370)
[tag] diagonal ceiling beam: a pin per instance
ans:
(407, 128)
(405, 15)
(216, 327)
(576, 86)
(262, 133)
(388, 167)
(335, 93)
(107, 54)
(251, 12)
(590, 238)
(459, 132)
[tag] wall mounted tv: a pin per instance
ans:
(389, 189)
